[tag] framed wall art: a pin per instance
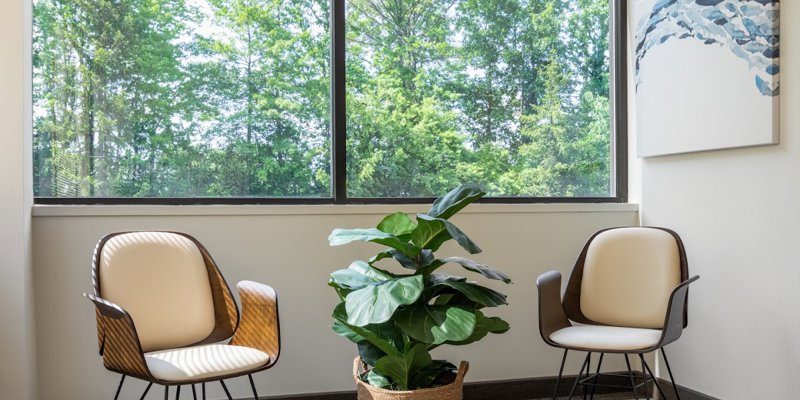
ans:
(706, 74)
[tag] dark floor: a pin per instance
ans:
(615, 396)
(605, 397)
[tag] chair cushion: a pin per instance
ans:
(594, 337)
(201, 362)
(161, 279)
(628, 276)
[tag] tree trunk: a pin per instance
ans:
(89, 130)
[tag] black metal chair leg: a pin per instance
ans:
(119, 388)
(578, 379)
(178, 393)
(560, 372)
(655, 381)
(194, 393)
(596, 375)
(166, 392)
(225, 388)
(644, 378)
(588, 368)
(204, 390)
(630, 373)
(672, 378)
(147, 389)
(253, 386)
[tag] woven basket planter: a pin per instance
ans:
(452, 391)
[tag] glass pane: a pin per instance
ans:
(181, 98)
(512, 95)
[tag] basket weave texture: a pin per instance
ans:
(451, 391)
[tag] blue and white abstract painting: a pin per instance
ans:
(707, 74)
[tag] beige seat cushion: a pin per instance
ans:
(201, 362)
(599, 338)
(628, 276)
(161, 280)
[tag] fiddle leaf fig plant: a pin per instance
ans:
(396, 319)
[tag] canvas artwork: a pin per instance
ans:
(707, 74)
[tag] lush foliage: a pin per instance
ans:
(174, 98)
(397, 319)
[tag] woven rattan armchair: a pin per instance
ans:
(166, 315)
(628, 295)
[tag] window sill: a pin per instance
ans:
(40, 210)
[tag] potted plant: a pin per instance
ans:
(396, 319)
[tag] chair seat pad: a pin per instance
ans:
(610, 338)
(202, 362)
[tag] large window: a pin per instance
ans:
(202, 101)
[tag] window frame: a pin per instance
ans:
(619, 133)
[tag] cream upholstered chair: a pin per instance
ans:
(627, 294)
(164, 311)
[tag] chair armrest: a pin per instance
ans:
(105, 307)
(259, 327)
(676, 309)
(551, 311)
(119, 342)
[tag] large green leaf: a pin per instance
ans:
(370, 271)
(453, 299)
(426, 257)
(346, 331)
(344, 236)
(452, 232)
(425, 377)
(430, 266)
(375, 304)
(477, 293)
(482, 269)
(401, 368)
(358, 275)
(433, 289)
(385, 337)
(369, 353)
(434, 324)
(430, 233)
(446, 206)
(404, 260)
(483, 326)
(397, 224)
(462, 238)
(378, 380)
(380, 256)
(497, 325)
(435, 279)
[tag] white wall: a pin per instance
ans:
(738, 212)
(289, 251)
(16, 332)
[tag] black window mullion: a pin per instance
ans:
(338, 103)
(619, 88)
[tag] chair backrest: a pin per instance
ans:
(624, 277)
(169, 285)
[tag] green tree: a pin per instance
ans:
(403, 138)
(264, 77)
(105, 68)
